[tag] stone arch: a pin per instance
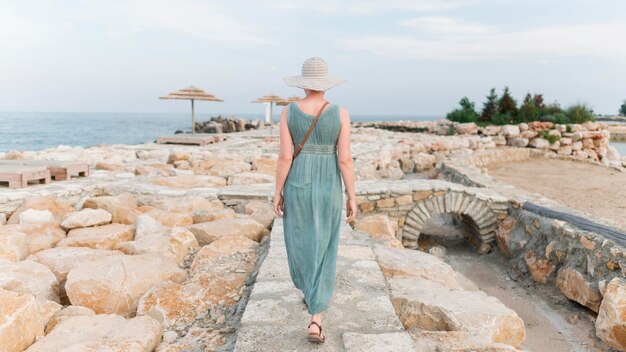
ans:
(465, 205)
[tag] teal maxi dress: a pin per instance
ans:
(313, 197)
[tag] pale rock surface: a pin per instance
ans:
(57, 207)
(575, 287)
(175, 243)
(13, 245)
(123, 207)
(218, 275)
(200, 216)
(457, 341)
(147, 226)
(208, 339)
(611, 321)
(99, 237)
(187, 205)
(401, 262)
(47, 309)
(380, 227)
(32, 216)
(114, 284)
(39, 236)
(86, 217)
(265, 165)
(430, 306)
(169, 219)
(248, 178)
(263, 212)
(29, 277)
(190, 181)
(3, 219)
(61, 260)
(225, 168)
(65, 313)
(105, 332)
(20, 321)
(208, 232)
(155, 170)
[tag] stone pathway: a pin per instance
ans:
(360, 316)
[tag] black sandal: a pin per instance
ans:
(317, 338)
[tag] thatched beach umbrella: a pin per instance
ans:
(271, 99)
(291, 99)
(192, 93)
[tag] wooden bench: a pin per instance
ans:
(18, 176)
(59, 169)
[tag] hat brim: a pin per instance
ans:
(320, 84)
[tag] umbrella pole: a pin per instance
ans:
(193, 119)
(271, 118)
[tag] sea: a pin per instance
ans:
(41, 130)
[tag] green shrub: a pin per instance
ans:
(579, 113)
(622, 109)
(559, 118)
(568, 128)
(465, 114)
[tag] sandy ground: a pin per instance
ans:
(553, 323)
(596, 190)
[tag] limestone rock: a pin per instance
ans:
(147, 226)
(155, 170)
(175, 243)
(539, 143)
(574, 286)
(611, 322)
(401, 262)
(63, 314)
(29, 277)
(86, 217)
(378, 226)
(540, 268)
(99, 237)
(13, 245)
(225, 168)
(114, 284)
(39, 236)
(187, 205)
(457, 341)
(510, 130)
(238, 252)
(430, 306)
(32, 216)
(265, 165)
(57, 207)
(20, 321)
(218, 275)
(106, 332)
(47, 309)
(122, 207)
(110, 167)
(190, 181)
(248, 178)
(424, 161)
(3, 219)
(166, 218)
(209, 339)
(208, 232)
(61, 260)
(204, 215)
(263, 212)
(466, 128)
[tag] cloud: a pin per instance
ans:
(371, 7)
(485, 43)
(446, 26)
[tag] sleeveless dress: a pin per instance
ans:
(313, 197)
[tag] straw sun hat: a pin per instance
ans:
(314, 76)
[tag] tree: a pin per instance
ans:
(622, 109)
(528, 110)
(507, 105)
(465, 114)
(490, 107)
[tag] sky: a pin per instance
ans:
(398, 56)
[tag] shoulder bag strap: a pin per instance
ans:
(297, 151)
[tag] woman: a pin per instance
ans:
(308, 193)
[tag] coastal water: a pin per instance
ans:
(40, 130)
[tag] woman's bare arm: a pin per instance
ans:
(346, 164)
(284, 161)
